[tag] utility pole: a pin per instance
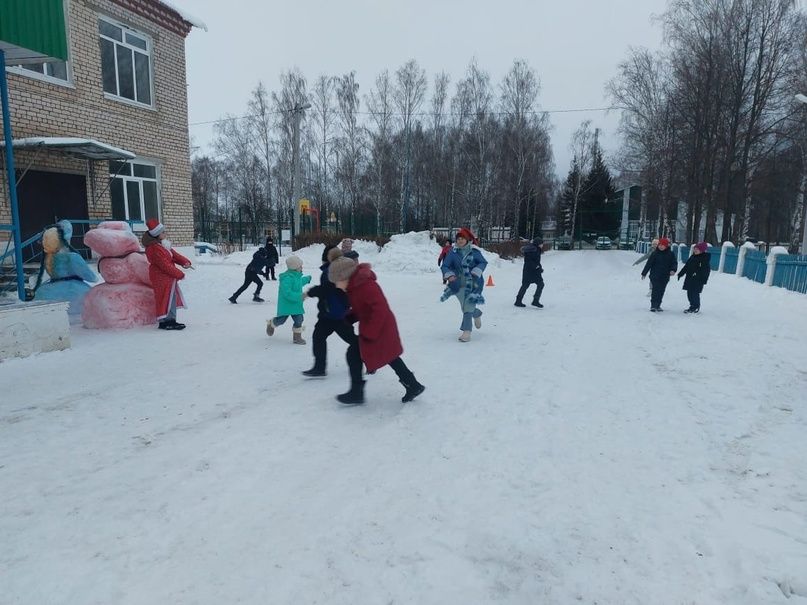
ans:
(297, 189)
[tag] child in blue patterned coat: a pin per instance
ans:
(462, 270)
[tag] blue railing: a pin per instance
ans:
(685, 251)
(791, 273)
(714, 258)
(730, 265)
(756, 265)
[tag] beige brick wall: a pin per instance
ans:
(158, 134)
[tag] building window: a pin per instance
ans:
(56, 70)
(125, 62)
(134, 189)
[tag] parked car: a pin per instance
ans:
(603, 243)
(564, 242)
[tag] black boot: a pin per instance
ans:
(315, 372)
(257, 298)
(170, 324)
(233, 300)
(535, 303)
(413, 389)
(518, 303)
(355, 396)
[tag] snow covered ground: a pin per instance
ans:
(589, 452)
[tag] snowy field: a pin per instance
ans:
(590, 452)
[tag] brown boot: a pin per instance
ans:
(297, 336)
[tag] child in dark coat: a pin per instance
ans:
(273, 258)
(379, 342)
(696, 273)
(256, 267)
(531, 273)
(332, 306)
(661, 266)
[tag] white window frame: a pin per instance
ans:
(141, 226)
(149, 52)
(35, 75)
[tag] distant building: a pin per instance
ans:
(105, 134)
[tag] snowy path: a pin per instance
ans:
(589, 452)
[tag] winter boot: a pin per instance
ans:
(315, 372)
(355, 396)
(518, 303)
(478, 322)
(270, 327)
(413, 389)
(257, 298)
(170, 324)
(233, 300)
(465, 336)
(690, 310)
(297, 336)
(535, 303)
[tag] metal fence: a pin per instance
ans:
(791, 272)
(730, 265)
(756, 266)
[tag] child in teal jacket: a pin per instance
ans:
(290, 299)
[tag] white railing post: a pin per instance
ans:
(723, 248)
(775, 252)
(741, 260)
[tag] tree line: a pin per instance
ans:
(710, 130)
(711, 126)
(408, 154)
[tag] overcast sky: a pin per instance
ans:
(573, 45)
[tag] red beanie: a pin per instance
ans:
(155, 227)
(467, 234)
(664, 242)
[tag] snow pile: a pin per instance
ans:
(409, 253)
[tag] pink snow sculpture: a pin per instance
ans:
(126, 299)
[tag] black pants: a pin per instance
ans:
(657, 293)
(539, 287)
(271, 270)
(404, 374)
(250, 277)
(694, 297)
(322, 330)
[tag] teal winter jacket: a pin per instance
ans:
(290, 293)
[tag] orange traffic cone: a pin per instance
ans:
(490, 281)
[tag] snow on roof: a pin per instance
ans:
(196, 22)
(84, 147)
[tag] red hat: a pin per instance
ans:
(467, 234)
(664, 242)
(155, 227)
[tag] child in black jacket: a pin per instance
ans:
(332, 307)
(661, 266)
(255, 267)
(696, 273)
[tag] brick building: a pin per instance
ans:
(105, 134)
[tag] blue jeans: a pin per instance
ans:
(466, 325)
(297, 320)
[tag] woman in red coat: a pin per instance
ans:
(379, 342)
(164, 275)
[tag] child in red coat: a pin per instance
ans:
(164, 275)
(379, 342)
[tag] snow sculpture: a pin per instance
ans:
(68, 272)
(126, 299)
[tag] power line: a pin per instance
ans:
(421, 113)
